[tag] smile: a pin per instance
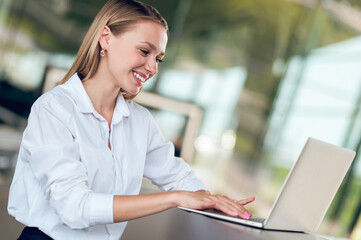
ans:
(139, 77)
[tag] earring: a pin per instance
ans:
(102, 53)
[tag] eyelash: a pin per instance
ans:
(145, 53)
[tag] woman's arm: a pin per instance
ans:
(130, 207)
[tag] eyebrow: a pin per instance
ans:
(151, 45)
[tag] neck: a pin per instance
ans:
(102, 94)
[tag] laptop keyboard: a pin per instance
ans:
(257, 219)
(252, 219)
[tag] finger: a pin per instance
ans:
(232, 210)
(229, 202)
(226, 199)
(227, 209)
(204, 191)
(246, 201)
(243, 213)
(233, 203)
(231, 207)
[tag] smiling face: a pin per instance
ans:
(132, 57)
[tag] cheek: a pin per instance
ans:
(135, 58)
(117, 61)
(121, 60)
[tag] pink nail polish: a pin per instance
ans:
(246, 215)
(234, 213)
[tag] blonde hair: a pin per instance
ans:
(119, 16)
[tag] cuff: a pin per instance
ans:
(101, 209)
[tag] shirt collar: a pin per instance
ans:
(84, 103)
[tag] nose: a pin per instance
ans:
(152, 66)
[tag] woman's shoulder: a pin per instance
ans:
(54, 100)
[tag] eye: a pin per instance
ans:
(159, 60)
(144, 52)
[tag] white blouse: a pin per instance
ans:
(66, 175)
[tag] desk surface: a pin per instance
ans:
(176, 224)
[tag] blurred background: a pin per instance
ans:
(247, 82)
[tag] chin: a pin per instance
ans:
(133, 92)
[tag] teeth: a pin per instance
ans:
(139, 77)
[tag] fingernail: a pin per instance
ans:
(234, 213)
(247, 215)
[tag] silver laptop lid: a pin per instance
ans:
(310, 187)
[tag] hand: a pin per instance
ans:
(201, 199)
(204, 199)
(246, 201)
(232, 207)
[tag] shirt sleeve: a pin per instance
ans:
(163, 168)
(51, 150)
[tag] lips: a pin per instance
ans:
(140, 76)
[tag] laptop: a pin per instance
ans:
(306, 193)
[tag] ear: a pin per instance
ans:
(105, 37)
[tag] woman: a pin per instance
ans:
(87, 145)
